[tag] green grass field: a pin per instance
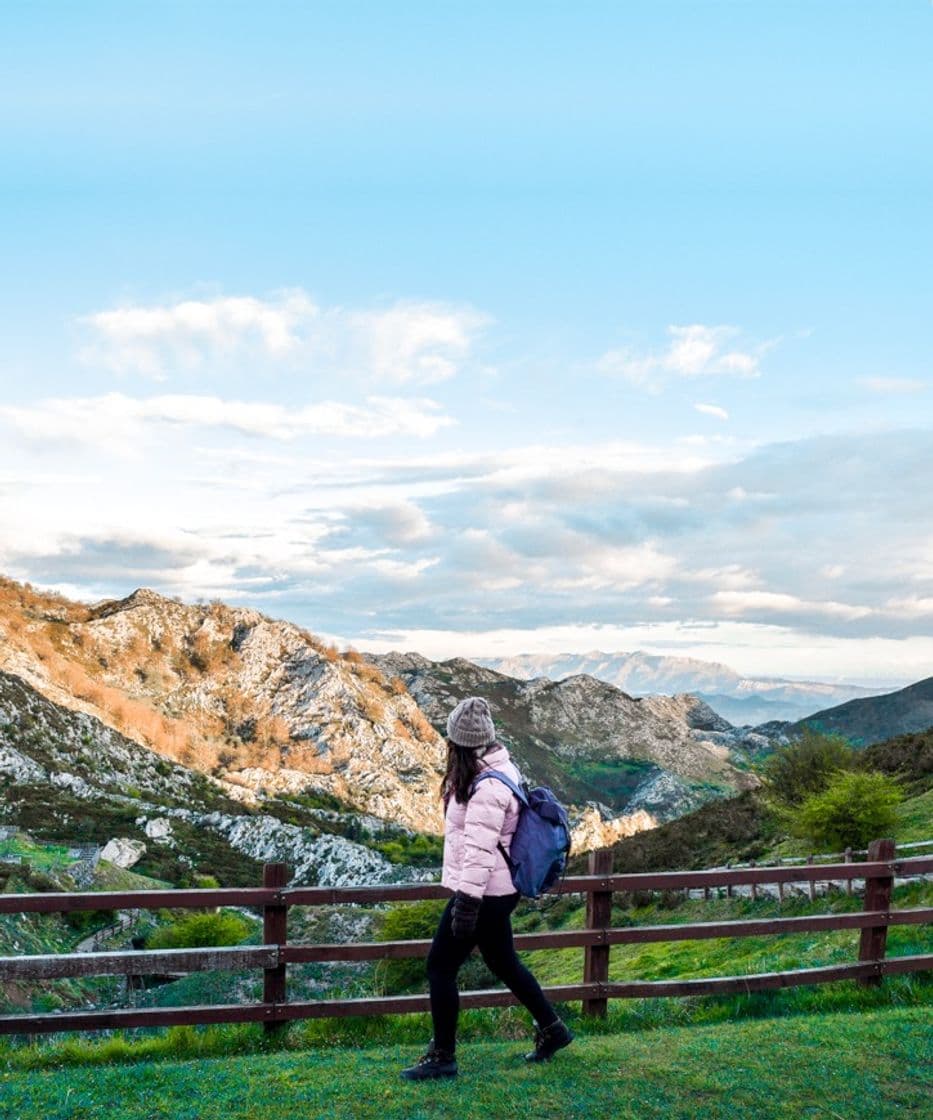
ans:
(870, 1065)
(42, 857)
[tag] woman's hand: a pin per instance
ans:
(464, 914)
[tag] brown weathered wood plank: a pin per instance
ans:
(762, 981)
(66, 902)
(134, 1017)
(402, 1005)
(234, 1013)
(628, 935)
(158, 962)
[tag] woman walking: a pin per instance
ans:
(479, 913)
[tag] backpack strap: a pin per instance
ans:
(517, 790)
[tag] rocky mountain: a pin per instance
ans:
(268, 721)
(744, 701)
(66, 776)
(874, 718)
(631, 761)
(258, 703)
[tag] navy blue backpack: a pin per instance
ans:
(541, 842)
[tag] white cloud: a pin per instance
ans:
(728, 575)
(619, 568)
(893, 384)
(740, 494)
(712, 410)
(737, 602)
(694, 350)
(121, 420)
(911, 606)
(420, 342)
(524, 538)
(409, 342)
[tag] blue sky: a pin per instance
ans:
(479, 328)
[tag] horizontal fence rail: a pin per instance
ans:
(66, 902)
(274, 899)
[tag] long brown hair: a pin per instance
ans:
(462, 767)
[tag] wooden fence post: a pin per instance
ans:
(848, 859)
(812, 881)
(877, 897)
(598, 916)
(780, 885)
(274, 932)
(753, 863)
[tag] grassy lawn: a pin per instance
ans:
(42, 857)
(869, 1064)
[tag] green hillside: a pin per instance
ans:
(870, 718)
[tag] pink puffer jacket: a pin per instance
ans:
(472, 832)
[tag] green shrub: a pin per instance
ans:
(406, 921)
(806, 766)
(417, 921)
(200, 930)
(854, 808)
(415, 851)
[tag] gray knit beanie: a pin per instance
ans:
(470, 724)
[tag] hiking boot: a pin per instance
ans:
(434, 1063)
(549, 1040)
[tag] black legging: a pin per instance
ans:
(494, 938)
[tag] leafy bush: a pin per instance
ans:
(854, 808)
(406, 921)
(806, 766)
(417, 921)
(416, 851)
(909, 758)
(200, 930)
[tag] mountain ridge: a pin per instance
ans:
(743, 700)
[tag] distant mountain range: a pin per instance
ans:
(744, 701)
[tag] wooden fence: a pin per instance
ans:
(274, 899)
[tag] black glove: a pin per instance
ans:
(463, 914)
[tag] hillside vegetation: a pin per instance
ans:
(747, 827)
(872, 718)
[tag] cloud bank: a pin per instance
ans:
(408, 342)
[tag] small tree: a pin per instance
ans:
(806, 766)
(854, 808)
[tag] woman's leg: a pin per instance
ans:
(494, 937)
(444, 960)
